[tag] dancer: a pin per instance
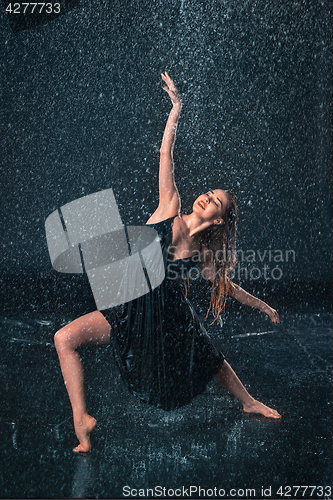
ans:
(163, 352)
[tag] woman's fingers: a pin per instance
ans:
(275, 317)
(168, 81)
(165, 76)
(170, 88)
(168, 91)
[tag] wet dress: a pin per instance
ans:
(163, 352)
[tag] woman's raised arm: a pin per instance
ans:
(169, 201)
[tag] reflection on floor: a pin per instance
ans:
(209, 444)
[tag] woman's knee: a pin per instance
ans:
(61, 339)
(67, 336)
(89, 329)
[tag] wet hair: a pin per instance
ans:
(220, 240)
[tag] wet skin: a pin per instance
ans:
(93, 328)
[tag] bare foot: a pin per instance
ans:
(258, 407)
(83, 428)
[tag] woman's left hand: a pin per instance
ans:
(170, 88)
(272, 313)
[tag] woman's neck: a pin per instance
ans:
(194, 224)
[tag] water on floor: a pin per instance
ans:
(138, 450)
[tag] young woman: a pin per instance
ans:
(164, 354)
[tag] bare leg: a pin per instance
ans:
(90, 329)
(228, 378)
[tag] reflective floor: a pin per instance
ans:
(209, 444)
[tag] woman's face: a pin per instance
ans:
(211, 206)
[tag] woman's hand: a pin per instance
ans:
(170, 88)
(272, 313)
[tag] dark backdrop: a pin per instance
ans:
(82, 110)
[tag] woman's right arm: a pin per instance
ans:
(169, 201)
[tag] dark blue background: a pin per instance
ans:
(83, 110)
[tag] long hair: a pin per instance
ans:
(221, 243)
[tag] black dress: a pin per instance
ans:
(163, 352)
